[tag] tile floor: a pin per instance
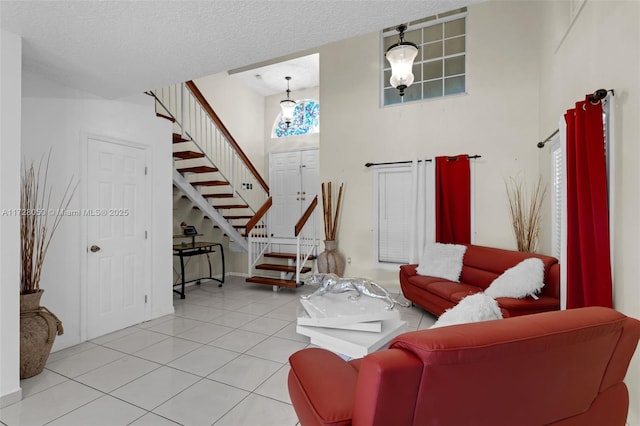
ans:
(221, 359)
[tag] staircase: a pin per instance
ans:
(211, 171)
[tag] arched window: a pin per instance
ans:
(306, 120)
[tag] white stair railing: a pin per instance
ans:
(196, 123)
(306, 233)
(259, 240)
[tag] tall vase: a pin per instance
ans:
(38, 330)
(330, 261)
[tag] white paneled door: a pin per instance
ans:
(117, 278)
(294, 181)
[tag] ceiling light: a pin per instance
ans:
(287, 105)
(401, 56)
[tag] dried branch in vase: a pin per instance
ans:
(330, 218)
(36, 228)
(525, 209)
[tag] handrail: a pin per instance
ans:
(212, 114)
(306, 216)
(256, 217)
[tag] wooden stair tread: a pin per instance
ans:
(272, 281)
(171, 119)
(240, 216)
(177, 138)
(231, 206)
(223, 195)
(282, 268)
(210, 183)
(198, 169)
(285, 255)
(188, 155)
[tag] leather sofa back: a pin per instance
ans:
(530, 370)
(481, 265)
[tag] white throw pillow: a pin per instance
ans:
(524, 279)
(473, 308)
(442, 261)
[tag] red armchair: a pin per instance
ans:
(561, 368)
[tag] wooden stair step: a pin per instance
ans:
(177, 138)
(188, 155)
(292, 256)
(231, 206)
(198, 169)
(223, 195)
(234, 226)
(166, 117)
(273, 281)
(210, 183)
(282, 268)
(240, 216)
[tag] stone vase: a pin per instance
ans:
(38, 330)
(330, 261)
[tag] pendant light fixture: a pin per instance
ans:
(401, 56)
(287, 105)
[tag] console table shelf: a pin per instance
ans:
(196, 248)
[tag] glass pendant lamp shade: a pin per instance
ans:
(401, 56)
(287, 105)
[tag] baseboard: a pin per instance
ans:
(11, 398)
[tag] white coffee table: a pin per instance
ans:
(350, 328)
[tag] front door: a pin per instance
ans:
(117, 278)
(294, 181)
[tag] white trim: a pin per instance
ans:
(562, 139)
(10, 398)
(608, 106)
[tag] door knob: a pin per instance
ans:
(94, 248)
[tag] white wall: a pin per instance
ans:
(241, 110)
(497, 119)
(601, 50)
(10, 100)
(56, 116)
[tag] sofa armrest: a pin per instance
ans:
(322, 387)
(387, 388)
(409, 270)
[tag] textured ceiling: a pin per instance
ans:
(270, 79)
(119, 48)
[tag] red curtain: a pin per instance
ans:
(588, 252)
(453, 199)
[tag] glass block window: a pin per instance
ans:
(440, 67)
(306, 120)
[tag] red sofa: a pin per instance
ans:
(563, 368)
(481, 265)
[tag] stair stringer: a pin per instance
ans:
(198, 200)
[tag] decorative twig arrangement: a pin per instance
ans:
(525, 209)
(330, 220)
(35, 229)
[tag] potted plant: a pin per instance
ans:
(38, 224)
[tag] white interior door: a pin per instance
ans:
(117, 280)
(310, 176)
(294, 181)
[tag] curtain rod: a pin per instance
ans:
(410, 161)
(594, 98)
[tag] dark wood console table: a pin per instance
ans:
(195, 249)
